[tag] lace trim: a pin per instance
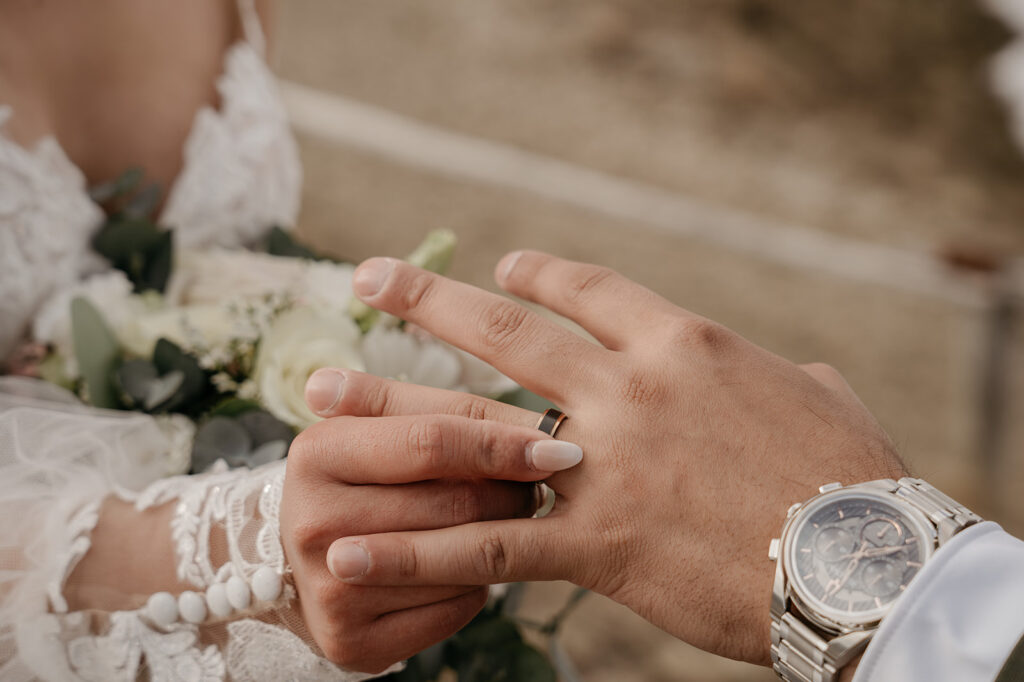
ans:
(76, 545)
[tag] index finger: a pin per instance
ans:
(542, 356)
(394, 450)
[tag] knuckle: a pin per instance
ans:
(502, 323)
(466, 504)
(822, 370)
(471, 407)
(407, 561)
(305, 451)
(583, 284)
(427, 443)
(347, 650)
(416, 290)
(308, 537)
(491, 559)
(700, 334)
(378, 398)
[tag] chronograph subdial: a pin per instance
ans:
(882, 532)
(833, 543)
(882, 577)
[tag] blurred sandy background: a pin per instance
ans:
(868, 121)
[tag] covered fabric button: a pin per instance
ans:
(238, 593)
(217, 600)
(162, 608)
(266, 584)
(192, 607)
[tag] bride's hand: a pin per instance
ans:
(350, 476)
(696, 442)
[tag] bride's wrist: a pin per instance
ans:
(130, 557)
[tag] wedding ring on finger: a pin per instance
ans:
(551, 421)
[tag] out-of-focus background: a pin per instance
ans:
(833, 180)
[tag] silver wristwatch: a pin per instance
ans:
(842, 561)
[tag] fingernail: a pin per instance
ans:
(347, 560)
(510, 264)
(324, 389)
(553, 455)
(371, 276)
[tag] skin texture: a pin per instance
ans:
(696, 442)
(341, 480)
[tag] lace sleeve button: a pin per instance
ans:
(162, 608)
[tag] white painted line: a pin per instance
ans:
(407, 141)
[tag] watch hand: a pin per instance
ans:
(837, 584)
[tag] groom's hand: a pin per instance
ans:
(696, 442)
(352, 476)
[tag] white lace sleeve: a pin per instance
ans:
(239, 621)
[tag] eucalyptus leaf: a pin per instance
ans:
(134, 378)
(122, 184)
(162, 389)
(281, 243)
(435, 251)
(144, 202)
(168, 357)
(220, 438)
(97, 352)
(156, 269)
(264, 427)
(267, 453)
(233, 407)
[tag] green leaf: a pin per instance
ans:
(157, 267)
(133, 377)
(97, 352)
(168, 357)
(122, 184)
(144, 203)
(233, 407)
(138, 247)
(281, 243)
(435, 252)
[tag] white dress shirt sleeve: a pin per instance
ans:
(960, 616)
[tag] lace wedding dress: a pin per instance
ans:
(60, 459)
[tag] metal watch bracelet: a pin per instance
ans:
(799, 653)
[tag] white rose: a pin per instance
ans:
(188, 326)
(419, 358)
(298, 343)
(327, 284)
(395, 354)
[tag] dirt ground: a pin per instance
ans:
(870, 120)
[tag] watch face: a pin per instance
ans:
(851, 554)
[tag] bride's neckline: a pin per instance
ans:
(49, 143)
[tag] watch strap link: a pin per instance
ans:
(799, 654)
(949, 516)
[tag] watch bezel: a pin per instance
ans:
(829, 618)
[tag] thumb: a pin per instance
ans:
(481, 553)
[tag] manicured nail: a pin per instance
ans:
(510, 264)
(553, 455)
(371, 276)
(324, 389)
(347, 560)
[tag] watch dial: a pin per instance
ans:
(853, 555)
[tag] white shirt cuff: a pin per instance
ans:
(960, 616)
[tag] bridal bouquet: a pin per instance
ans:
(217, 346)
